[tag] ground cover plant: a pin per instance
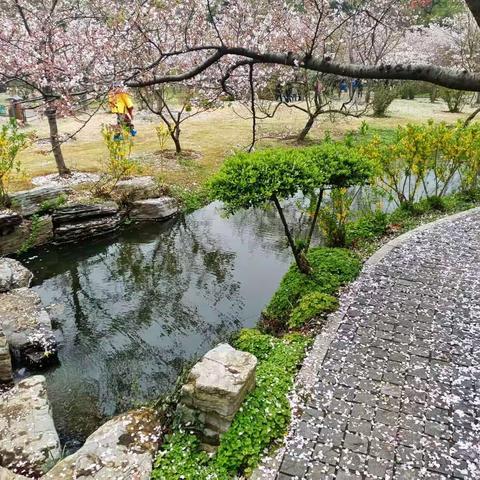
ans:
(263, 417)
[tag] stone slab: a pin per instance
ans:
(6, 373)
(219, 382)
(8, 221)
(29, 202)
(136, 188)
(80, 212)
(6, 474)
(29, 442)
(22, 235)
(154, 209)
(13, 275)
(27, 326)
(94, 227)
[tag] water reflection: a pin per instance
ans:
(138, 307)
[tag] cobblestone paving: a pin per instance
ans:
(398, 393)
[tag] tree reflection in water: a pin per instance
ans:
(139, 306)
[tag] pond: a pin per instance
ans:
(133, 310)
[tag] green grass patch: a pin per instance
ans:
(310, 306)
(263, 417)
(332, 268)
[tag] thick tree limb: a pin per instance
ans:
(457, 79)
(182, 76)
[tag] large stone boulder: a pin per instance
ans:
(215, 389)
(136, 188)
(27, 327)
(121, 449)
(13, 275)
(29, 202)
(6, 373)
(8, 221)
(154, 209)
(29, 442)
(31, 233)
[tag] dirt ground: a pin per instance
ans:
(211, 136)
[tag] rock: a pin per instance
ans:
(136, 188)
(8, 221)
(6, 374)
(9, 475)
(29, 441)
(13, 275)
(29, 202)
(154, 209)
(27, 327)
(77, 213)
(121, 449)
(31, 233)
(73, 232)
(215, 389)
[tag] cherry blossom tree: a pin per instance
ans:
(63, 52)
(289, 34)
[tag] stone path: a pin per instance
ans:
(398, 393)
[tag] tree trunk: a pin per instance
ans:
(306, 129)
(176, 140)
(300, 259)
(62, 168)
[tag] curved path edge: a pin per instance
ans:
(306, 378)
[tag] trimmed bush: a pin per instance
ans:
(332, 268)
(370, 225)
(310, 306)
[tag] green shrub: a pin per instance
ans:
(370, 225)
(331, 268)
(255, 342)
(310, 306)
(383, 96)
(272, 175)
(455, 99)
(436, 203)
(334, 216)
(190, 200)
(12, 142)
(48, 206)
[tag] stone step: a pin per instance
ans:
(80, 212)
(73, 232)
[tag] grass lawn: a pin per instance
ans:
(212, 136)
